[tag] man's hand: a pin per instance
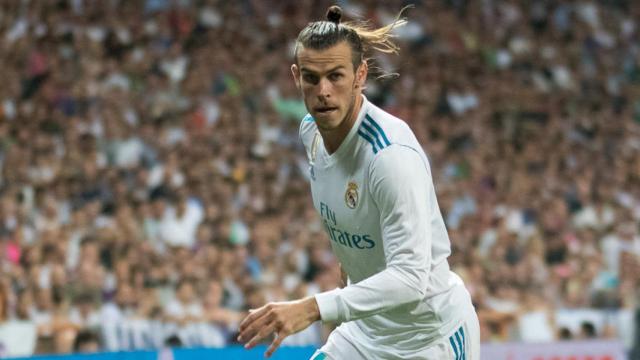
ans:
(281, 319)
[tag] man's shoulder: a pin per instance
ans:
(381, 130)
(390, 122)
(308, 129)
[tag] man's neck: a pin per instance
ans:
(333, 138)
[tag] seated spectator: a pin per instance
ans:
(588, 330)
(86, 342)
(565, 334)
(221, 323)
(536, 320)
(115, 319)
(18, 334)
(84, 312)
(180, 223)
(185, 312)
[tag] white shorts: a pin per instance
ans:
(462, 344)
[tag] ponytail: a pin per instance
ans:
(362, 39)
(380, 39)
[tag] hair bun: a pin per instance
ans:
(334, 14)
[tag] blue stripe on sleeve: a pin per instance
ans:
(460, 345)
(375, 124)
(373, 134)
(453, 345)
(366, 137)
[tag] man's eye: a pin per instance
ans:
(335, 76)
(310, 78)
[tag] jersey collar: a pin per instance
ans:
(348, 142)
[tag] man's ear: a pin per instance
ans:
(295, 71)
(361, 74)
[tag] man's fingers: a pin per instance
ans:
(252, 326)
(253, 314)
(263, 333)
(250, 331)
(275, 344)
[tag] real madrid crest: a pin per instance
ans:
(351, 195)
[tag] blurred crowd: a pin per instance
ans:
(153, 187)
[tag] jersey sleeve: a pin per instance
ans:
(306, 132)
(401, 187)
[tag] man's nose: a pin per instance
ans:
(325, 88)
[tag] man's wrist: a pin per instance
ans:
(327, 303)
(311, 308)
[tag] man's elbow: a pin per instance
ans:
(416, 282)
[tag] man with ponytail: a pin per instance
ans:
(372, 186)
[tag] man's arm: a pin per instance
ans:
(402, 189)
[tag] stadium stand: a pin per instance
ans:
(153, 187)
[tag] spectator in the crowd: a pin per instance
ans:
(86, 341)
(4, 303)
(220, 323)
(84, 312)
(185, 311)
(115, 318)
(180, 222)
(565, 334)
(588, 330)
(18, 334)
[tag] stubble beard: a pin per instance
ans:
(352, 104)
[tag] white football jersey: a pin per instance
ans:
(377, 202)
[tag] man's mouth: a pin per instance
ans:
(325, 110)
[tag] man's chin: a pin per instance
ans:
(327, 122)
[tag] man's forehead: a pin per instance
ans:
(325, 59)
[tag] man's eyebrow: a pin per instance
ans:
(306, 70)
